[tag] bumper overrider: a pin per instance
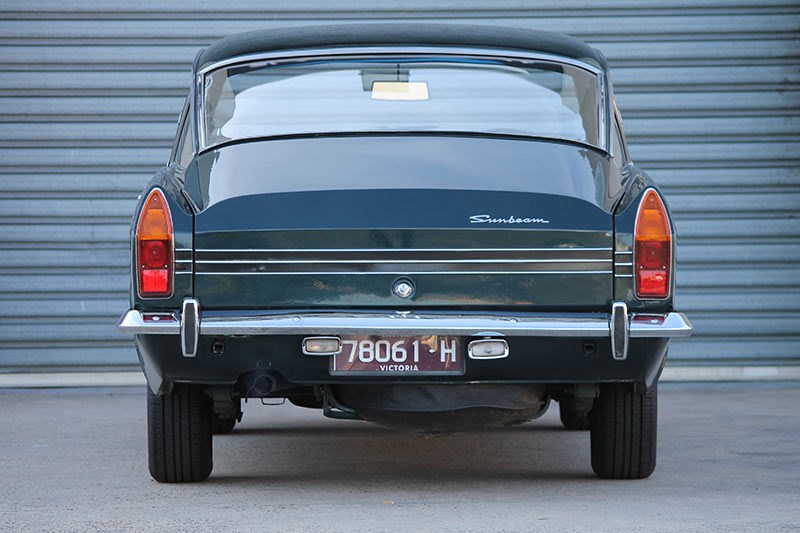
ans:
(544, 347)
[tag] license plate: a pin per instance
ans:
(376, 355)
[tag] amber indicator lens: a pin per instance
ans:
(652, 248)
(154, 247)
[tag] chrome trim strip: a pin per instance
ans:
(370, 250)
(623, 275)
(405, 272)
(405, 267)
(386, 261)
(401, 260)
(630, 252)
(409, 323)
(183, 258)
(623, 264)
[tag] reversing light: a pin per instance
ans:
(488, 349)
(652, 248)
(154, 247)
(322, 345)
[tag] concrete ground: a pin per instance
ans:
(75, 460)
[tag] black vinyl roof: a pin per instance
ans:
(398, 34)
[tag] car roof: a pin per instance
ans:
(398, 34)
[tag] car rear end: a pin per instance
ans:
(451, 245)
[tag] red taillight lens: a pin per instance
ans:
(153, 254)
(154, 247)
(154, 282)
(652, 249)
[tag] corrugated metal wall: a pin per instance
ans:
(90, 91)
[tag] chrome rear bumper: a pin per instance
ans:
(670, 325)
(401, 323)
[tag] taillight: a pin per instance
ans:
(154, 247)
(652, 249)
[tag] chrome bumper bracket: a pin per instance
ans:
(190, 327)
(619, 326)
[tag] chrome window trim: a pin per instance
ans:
(182, 118)
(604, 105)
(295, 56)
(198, 139)
(617, 120)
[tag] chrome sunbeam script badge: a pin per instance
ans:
(487, 219)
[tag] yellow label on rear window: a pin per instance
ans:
(399, 90)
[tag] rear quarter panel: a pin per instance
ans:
(624, 224)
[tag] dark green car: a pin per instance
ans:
(436, 228)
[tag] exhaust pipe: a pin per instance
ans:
(258, 384)
(263, 384)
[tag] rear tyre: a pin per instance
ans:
(623, 432)
(179, 434)
(222, 426)
(572, 416)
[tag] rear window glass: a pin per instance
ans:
(537, 99)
